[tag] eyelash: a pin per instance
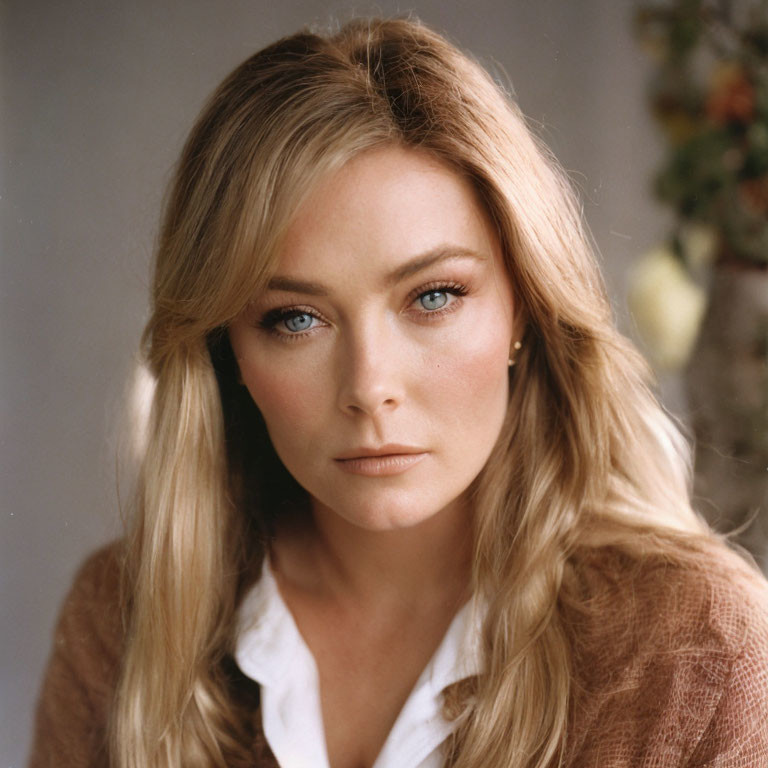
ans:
(270, 320)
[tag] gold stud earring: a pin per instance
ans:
(516, 345)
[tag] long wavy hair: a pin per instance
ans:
(586, 456)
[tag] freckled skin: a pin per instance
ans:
(373, 368)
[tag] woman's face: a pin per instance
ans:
(378, 354)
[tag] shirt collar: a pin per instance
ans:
(270, 650)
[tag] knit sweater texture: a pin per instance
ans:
(670, 668)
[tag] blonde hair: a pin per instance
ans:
(586, 456)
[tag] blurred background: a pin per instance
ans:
(97, 98)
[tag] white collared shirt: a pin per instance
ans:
(270, 650)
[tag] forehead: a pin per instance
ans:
(382, 208)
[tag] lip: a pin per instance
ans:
(380, 465)
(390, 449)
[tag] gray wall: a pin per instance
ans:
(96, 100)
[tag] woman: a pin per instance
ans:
(406, 498)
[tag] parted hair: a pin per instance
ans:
(586, 456)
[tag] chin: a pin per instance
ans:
(389, 521)
(387, 512)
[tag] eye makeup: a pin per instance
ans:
(275, 321)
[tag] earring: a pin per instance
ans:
(516, 345)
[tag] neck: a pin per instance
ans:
(420, 565)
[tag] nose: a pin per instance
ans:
(370, 373)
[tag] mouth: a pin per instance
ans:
(377, 462)
(390, 449)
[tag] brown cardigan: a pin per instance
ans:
(670, 669)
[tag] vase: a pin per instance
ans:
(727, 385)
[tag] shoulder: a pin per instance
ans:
(709, 600)
(79, 681)
(670, 659)
(90, 618)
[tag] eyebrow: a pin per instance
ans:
(411, 267)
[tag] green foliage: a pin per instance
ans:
(709, 95)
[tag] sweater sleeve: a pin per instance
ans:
(737, 733)
(670, 664)
(73, 706)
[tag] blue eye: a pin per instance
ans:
(432, 300)
(289, 323)
(299, 322)
(296, 323)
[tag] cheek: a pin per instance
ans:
(474, 376)
(287, 402)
